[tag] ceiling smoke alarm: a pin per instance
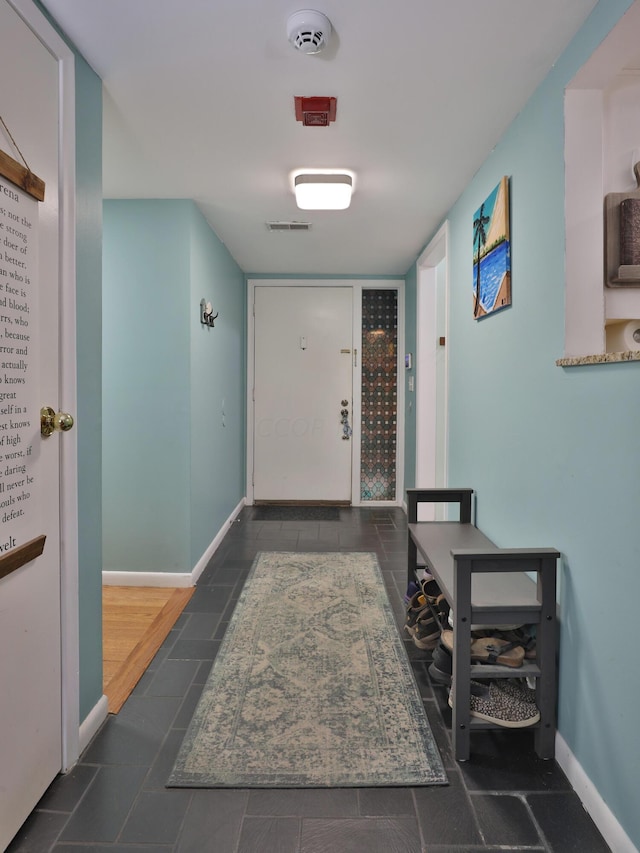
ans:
(309, 31)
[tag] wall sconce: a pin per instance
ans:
(206, 313)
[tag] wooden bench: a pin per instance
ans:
(488, 585)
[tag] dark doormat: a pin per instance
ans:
(296, 513)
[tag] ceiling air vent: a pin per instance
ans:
(288, 226)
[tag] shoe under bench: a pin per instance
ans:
(487, 585)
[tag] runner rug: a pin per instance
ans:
(311, 686)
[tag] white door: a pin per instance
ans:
(30, 596)
(303, 394)
(432, 372)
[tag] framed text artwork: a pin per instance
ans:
(492, 253)
(20, 192)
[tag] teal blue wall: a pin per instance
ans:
(173, 471)
(218, 372)
(553, 452)
(146, 394)
(89, 406)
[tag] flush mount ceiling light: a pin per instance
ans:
(323, 191)
(308, 31)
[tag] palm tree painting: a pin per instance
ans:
(492, 253)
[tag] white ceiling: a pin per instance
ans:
(198, 103)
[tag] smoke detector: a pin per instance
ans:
(309, 31)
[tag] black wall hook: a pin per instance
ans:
(206, 313)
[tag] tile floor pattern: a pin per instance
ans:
(114, 800)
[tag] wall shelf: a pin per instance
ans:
(599, 358)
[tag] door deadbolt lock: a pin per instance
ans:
(344, 420)
(52, 421)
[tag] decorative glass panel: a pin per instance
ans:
(379, 395)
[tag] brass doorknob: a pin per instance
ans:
(51, 422)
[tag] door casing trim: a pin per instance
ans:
(427, 449)
(357, 286)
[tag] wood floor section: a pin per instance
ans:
(135, 623)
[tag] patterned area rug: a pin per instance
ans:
(311, 687)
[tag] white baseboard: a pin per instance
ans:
(173, 579)
(177, 579)
(92, 722)
(599, 811)
(202, 563)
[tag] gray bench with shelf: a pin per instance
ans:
(488, 585)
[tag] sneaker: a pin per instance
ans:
(441, 668)
(442, 608)
(415, 608)
(504, 705)
(518, 688)
(411, 591)
(430, 589)
(425, 630)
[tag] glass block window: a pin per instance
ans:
(379, 395)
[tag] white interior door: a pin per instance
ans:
(30, 596)
(432, 372)
(302, 376)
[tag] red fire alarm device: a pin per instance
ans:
(315, 112)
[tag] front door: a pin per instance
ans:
(303, 394)
(30, 595)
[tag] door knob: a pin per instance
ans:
(51, 422)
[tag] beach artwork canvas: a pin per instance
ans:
(492, 253)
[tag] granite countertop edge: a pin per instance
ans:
(599, 358)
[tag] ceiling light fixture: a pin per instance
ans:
(323, 191)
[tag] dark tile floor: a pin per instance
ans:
(114, 800)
